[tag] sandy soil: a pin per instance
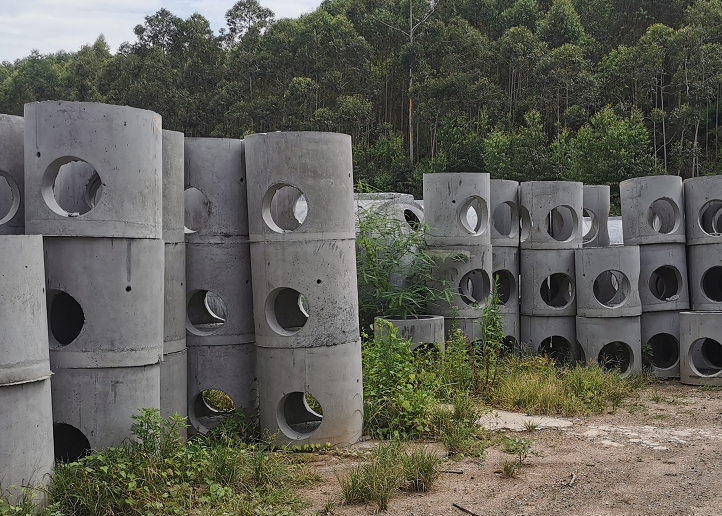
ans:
(659, 454)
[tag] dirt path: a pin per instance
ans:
(659, 454)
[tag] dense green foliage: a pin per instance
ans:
(599, 90)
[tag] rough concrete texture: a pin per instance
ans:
(405, 211)
(611, 342)
(231, 369)
(505, 275)
(332, 375)
(504, 199)
(512, 327)
(700, 348)
(305, 293)
(23, 317)
(174, 297)
(705, 276)
(100, 402)
(319, 165)
(653, 210)
(551, 214)
(548, 282)
(456, 209)
(663, 277)
(174, 384)
(660, 338)
(424, 329)
(607, 281)
(703, 209)
(173, 206)
(555, 337)
(466, 270)
(122, 145)
(215, 190)
(500, 420)
(216, 271)
(12, 176)
(105, 301)
(26, 438)
(596, 204)
(471, 326)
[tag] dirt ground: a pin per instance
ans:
(659, 454)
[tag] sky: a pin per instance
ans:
(52, 25)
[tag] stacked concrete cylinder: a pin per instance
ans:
(505, 254)
(93, 189)
(551, 231)
(653, 218)
(12, 177)
(401, 207)
(26, 425)
(174, 368)
(701, 330)
(596, 205)
(456, 212)
(308, 347)
(219, 298)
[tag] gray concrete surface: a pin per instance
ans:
(705, 276)
(663, 277)
(548, 282)
(612, 342)
(466, 270)
(555, 337)
(596, 204)
(703, 209)
(660, 334)
(504, 209)
(551, 214)
(12, 175)
(653, 210)
(700, 348)
(424, 329)
(505, 275)
(173, 177)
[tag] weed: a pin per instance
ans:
(420, 469)
(531, 426)
(510, 468)
(709, 388)
(518, 446)
(329, 507)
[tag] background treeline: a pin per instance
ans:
(591, 90)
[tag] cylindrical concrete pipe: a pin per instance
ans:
(703, 209)
(612, 342)
(304, 288)
(660, 343)
(174, 368)
(607, 281)
(653, 210)
(505, 275)
(219, 298)
(466, 270)
(700, 348)
(400, 207)
(423, 330)
(596, 207)
(705, 276)
(547, 283)
(504, 204)
(26, 425)
(471, 326)
(12, 176)
(663, 277)
(551, 214)
(555, 337)
(113, 154)
(512, 330)
(456, 209)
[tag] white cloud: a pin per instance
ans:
(52, 25)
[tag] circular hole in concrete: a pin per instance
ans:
(287, 311)
(65, 318)
(706, 356)
(285, 208)
(662, 351)
(562, 223)
(505, 219)
(209, 408)
(557, 348)
(504, 281)
(473, 215)
(206, 312)
(712, 284)
(71, 187)
(663, 215)
(70, 444)
(412, 219)
(299, 415)
(557, 290)
(664, 283)
(9, 197)
(611, 288)
(474, 287)
(615, 355)
(196, 210)
(591, 226)
(525, 224)
(710, 218)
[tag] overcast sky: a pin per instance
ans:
(52, 25)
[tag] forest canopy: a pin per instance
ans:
(591, 90)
